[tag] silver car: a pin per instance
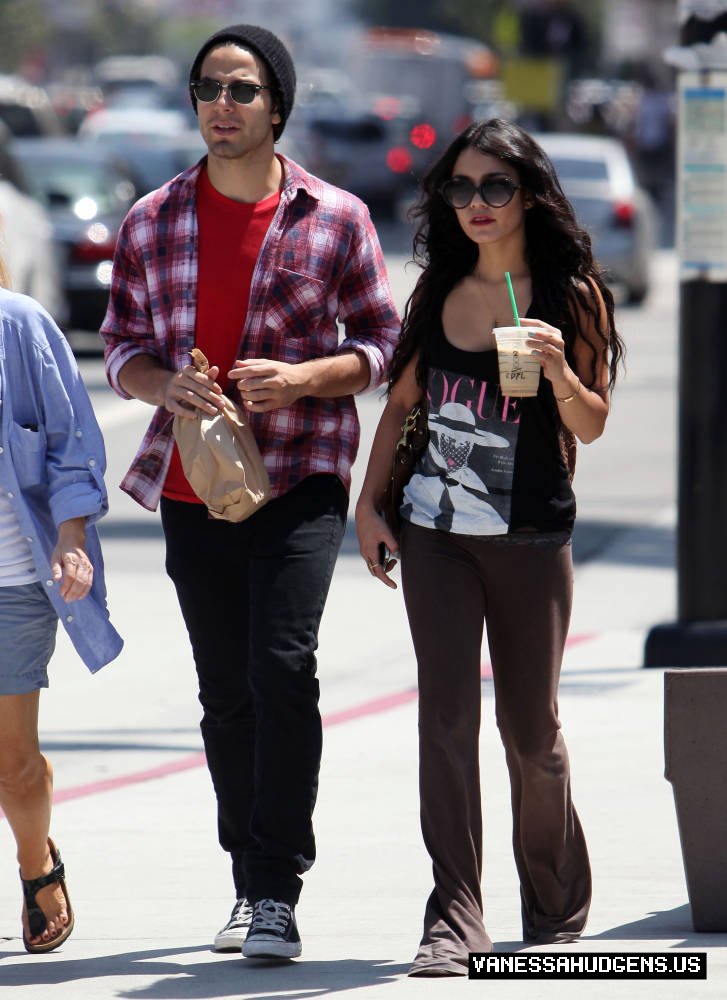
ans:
(599, 181)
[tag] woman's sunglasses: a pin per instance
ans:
(240, 91)
(495, 191)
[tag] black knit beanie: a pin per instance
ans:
(270, 49)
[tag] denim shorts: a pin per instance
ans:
(28, 625)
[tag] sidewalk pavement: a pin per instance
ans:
(150, 886)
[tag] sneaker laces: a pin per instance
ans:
(270, 915)
(240, 916)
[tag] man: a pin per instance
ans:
(253, 260)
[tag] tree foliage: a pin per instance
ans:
(118, 26)
(462, 17)
(24, 30)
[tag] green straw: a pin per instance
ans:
(512, 298)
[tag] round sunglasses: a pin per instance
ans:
(240, 91)
(495, 190)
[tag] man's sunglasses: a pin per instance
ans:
(496, 191)
(240, 91)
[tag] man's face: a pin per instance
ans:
(231, 130)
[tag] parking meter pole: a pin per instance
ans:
(699, 637)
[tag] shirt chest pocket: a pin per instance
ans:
(296, 305)
(27, 448)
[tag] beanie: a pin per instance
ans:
(267, 47)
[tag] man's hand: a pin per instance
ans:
(189, 390)
(268, 385)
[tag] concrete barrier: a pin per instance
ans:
(695, 748)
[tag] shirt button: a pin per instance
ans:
(11, 496)
(49, 583)
(29, 540)
(1, 449)
(79, 434)
(92, 462)
(69, 618)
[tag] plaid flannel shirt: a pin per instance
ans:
(320, 264)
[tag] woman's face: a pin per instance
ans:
(483, 223)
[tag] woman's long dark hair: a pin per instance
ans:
(558, 250)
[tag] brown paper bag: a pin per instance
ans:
(221, 459)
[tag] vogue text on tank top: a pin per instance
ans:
(494, 464)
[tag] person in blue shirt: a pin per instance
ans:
(52, 462)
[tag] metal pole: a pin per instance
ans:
(699, 637)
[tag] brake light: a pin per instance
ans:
(624, 214)
(387, 107)
(423, 136)
(97, 243)
(398, 160)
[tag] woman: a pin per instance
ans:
(487, 519)
(51, 493)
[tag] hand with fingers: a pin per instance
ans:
(265, 384)
(189, 390)
(377, 545)
(549, 347)
(70, 565)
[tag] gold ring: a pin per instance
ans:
(372, 566)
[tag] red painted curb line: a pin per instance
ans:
(373, 707)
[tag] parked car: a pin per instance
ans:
(355, 142)
(155, 159)
(87, 191)
(139, 81)
(599, 181)
(27, 110)
(26, 239)
(112, 122)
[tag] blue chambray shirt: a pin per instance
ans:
(52, 462)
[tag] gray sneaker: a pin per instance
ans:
(232, 935)
(273, 932)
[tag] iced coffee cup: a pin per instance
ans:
(519, 367)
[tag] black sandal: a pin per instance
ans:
(37, 920)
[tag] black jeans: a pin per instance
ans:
(252, 595)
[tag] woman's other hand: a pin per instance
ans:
(377, 545)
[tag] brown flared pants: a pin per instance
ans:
(454, 586)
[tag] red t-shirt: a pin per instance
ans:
(230, 236)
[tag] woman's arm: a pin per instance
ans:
(370, 525)
(583, 407)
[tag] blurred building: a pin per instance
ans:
(556, 30)
(635, 32)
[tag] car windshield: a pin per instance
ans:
(20, 119)
(364, 130)
(573, 168)
(64, 183)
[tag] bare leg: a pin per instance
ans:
(26, 785)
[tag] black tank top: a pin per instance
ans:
(494, 464)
